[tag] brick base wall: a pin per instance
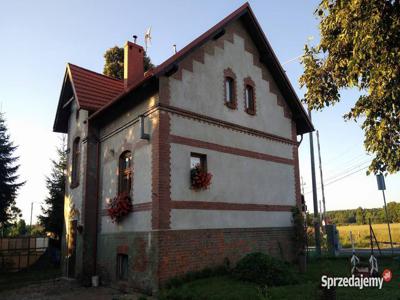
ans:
(141, 248)
(181, 251)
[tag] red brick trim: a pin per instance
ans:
(228, 73)
(248, 81)
(225, 124)
(183, 204)
(135, 208)
(161, 173)
(164, 90)
(236, 151)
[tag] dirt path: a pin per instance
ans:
(60, 289)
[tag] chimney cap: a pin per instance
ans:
(134, 38)
(131, 44)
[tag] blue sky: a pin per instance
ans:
(39, 37)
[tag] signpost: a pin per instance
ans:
(382, 187)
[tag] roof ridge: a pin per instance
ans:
(99, 74)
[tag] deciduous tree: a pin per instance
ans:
(360, 48)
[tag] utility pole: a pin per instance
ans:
(382, 186)
(302, 185)
(321, 214)
(314, 192)
(322, 179)
(30, 223)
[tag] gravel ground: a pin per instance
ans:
(62, 289)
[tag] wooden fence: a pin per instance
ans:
(20, 252)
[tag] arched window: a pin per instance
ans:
(230, 88)
(76, 155)
(249, 96)
(125, 173)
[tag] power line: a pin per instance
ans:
(341, 178)
(350, 168)
(345, 171)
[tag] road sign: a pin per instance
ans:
(381, 182)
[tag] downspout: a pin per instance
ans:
(97, 201)
(301, 139)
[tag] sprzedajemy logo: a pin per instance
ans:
(356, 281)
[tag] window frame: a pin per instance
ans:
(248, 84)
(125, 172)
(76, 161)
(122, 267)
(203, 160)
(229, 76)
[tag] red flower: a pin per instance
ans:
(119, 207)
(200, 179)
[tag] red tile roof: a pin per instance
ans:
(93, 90)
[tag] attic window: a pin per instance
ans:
(230, 89)
(249, 96)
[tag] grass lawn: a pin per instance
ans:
(224, 287)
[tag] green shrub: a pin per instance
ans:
(263, 269)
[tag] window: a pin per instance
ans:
(249, 96)
(122, 266)
(198, 159)
(125, 173)
(76, 153)
(230, 89)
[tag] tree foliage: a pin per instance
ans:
(362, 215)
(9, 183)
(114, 62)
(53, 210)
(360, 48)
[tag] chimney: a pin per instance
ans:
(133, 63)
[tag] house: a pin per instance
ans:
(222, 107)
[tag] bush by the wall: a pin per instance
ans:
(263, 269)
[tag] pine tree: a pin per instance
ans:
(9, 183)
(53, 210)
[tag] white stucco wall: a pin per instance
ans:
(77, 127)
(118, 136)
(202, 90)
(228, 137)
(110, 150)
(236, 179)
(137, 221)
(211, 219)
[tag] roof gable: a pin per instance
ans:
(267, 57)
(98, 93)
(91, 90)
